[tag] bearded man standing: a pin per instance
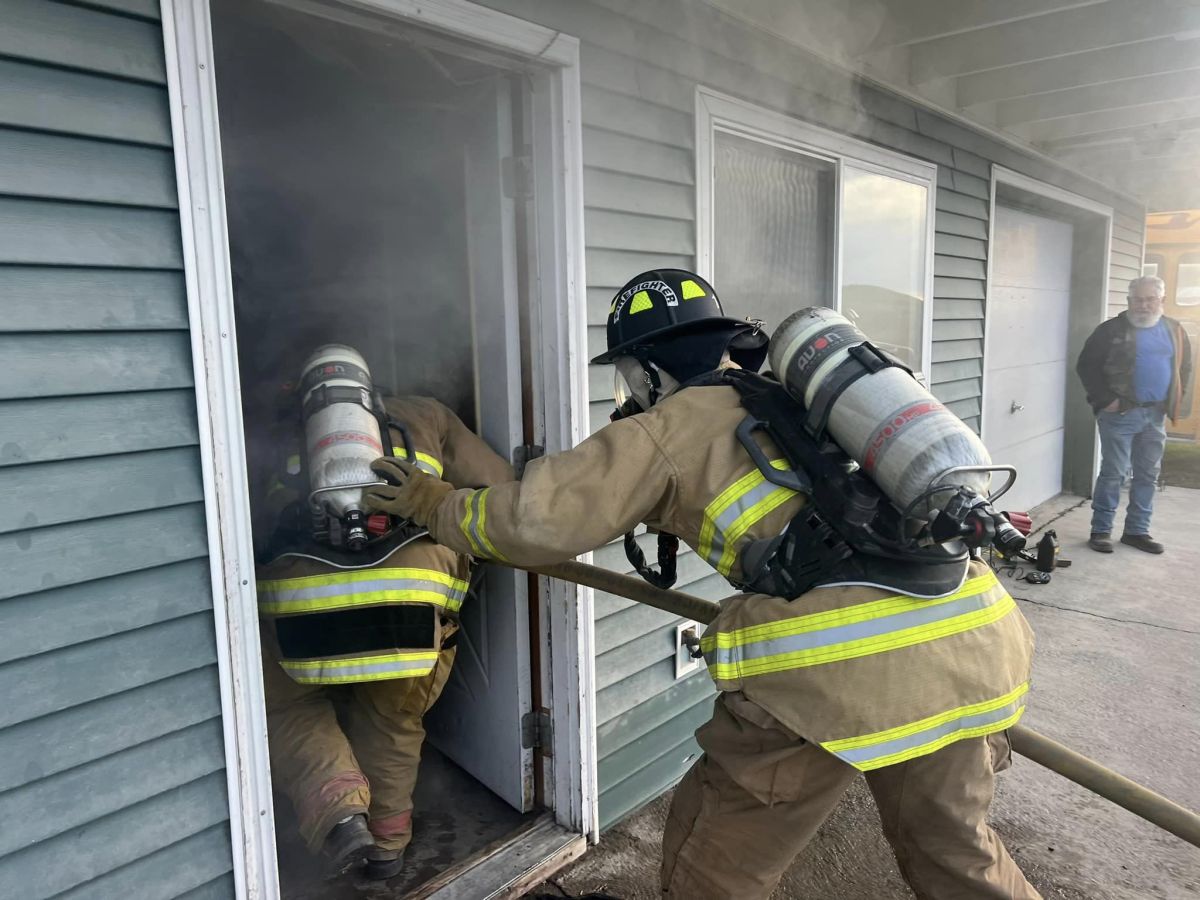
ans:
(1136, 369)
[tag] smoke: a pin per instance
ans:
(346, 163)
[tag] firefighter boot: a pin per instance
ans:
(382, 864)
(347, 843)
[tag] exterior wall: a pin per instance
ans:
(111, 749)
(641, 64)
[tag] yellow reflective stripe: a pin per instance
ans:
(381, 667)
(861, 612)
(365, 587)
(723, 501)
(879, 737)
(719, 505)
(425, 462)
(491, 548)
(866, 647)
(366, 598)
(356, 575)
(466, 526)
(748, 520)
(275, 487)
(886, 748)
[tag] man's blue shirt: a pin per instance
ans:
(1152, 368)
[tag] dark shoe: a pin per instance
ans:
(383, 864)
(347, 843)
(1143, 542)
(1101, 542)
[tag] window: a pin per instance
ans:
(1187, 280)
(790, 215)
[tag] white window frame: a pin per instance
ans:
(560, 307)
(717, 112)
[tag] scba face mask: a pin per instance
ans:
(638, 385)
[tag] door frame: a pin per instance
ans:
(1092, 242)
(567, 676)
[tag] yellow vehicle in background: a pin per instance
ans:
(1173, 254)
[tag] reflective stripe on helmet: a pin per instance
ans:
(364, 587)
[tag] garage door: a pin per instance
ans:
(1027, 364)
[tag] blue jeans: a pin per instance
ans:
(1136, 437)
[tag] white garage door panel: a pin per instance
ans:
(1031, 251)
(1029, 302)
(1043, 410)
(1039, 471)
(1031, 326)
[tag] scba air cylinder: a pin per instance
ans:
(886, 421)
(342, 435)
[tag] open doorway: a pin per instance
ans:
(375, 197)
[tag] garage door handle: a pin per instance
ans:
(1016, 406)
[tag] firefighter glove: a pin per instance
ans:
(410, 493)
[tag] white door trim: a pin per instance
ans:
(566, 608)
(193, 104)
(1008, 177)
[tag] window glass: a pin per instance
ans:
(884, 245)
(773, 228)
(1187, 280)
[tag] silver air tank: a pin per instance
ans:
(342, 438)
(901, 436)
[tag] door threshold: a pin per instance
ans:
(509, 867)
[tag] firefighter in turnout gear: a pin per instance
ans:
(841, 680)
(357, 650)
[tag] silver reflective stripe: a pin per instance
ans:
(856, 631)
(332, 671)
(285, 596)
(977, 723)
(475, 534)
(728, 517)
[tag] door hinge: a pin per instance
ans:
(523, 454)
(537, 731)
(516, 175)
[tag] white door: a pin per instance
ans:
(477, 723)
(1027, 366)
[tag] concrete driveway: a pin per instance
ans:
(1117, 677)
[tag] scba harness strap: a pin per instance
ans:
(851, 533)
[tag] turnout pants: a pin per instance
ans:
(757, 795)
(365, 763)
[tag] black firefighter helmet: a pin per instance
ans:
(673, 318)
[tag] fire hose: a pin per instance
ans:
(1087, 773)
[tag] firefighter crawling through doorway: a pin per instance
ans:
(359, 612)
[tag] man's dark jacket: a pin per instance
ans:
(1106, 365)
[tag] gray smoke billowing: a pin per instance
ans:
(346, 155)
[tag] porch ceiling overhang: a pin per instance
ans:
(1110, 88)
